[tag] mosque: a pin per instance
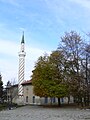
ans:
(22, 93)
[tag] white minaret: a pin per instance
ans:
(22, 55)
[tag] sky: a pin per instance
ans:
(43, 23)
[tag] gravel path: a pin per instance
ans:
(40, 113)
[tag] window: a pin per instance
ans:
(27, 90)
(26, 98)
(54, 100)
(33, 99)
(51, 99)
(62, 100)
(46, 100)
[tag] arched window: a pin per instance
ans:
(26, 98)
(33, 99)
(27, 90)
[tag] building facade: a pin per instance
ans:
(29, 98)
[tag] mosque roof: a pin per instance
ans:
(27, 82)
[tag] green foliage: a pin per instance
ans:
(47, 79)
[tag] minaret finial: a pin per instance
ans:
(22, 38)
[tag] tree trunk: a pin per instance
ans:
(81, 102)
(85, 103)
(78, 100)
(68, 99)
(59, 104)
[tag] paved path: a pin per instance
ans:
(40, 113)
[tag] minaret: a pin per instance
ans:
(22, 55)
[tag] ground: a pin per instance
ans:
(45, 113)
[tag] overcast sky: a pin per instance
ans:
(43, 22)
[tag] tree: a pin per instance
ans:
(66, 71)
(11, 91)
(42, 76)
(1, 88)
(86, 74)
(58, 60)
(47, 79)
(73, 47)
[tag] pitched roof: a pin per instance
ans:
(27, 82)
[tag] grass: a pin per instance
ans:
(73, 105)
(3, 106)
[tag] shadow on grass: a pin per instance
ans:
(72, 105)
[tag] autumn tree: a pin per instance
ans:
(47, 79)
(58, 60)
(86, 74)
(72, 46)
(42, 76)
(66, 72)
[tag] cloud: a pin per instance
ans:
(8, 69)
(32, 54)
(9, 60)
(59, 11)
(83, 3)
(12, 2)
(8, 48)
(35, 52)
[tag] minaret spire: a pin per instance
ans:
(21, 70)
(22, 43)
(22, 38)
